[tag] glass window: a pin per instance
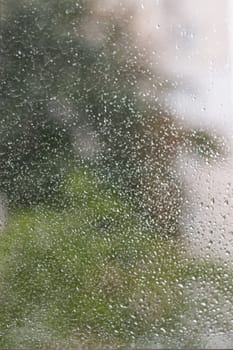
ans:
(116, 174)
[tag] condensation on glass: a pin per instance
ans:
(116, 174)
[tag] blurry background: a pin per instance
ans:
(196, 43)
(116, 161)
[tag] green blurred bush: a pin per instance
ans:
(92, 273)
(89, 273)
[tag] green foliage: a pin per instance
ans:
(54, 81)
(91, 274)
(205, 144)
(87, 274)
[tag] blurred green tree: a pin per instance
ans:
(73, 87)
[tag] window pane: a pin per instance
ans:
(116, 174)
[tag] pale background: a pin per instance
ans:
(196, 45)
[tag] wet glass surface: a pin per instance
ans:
(116, 174)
